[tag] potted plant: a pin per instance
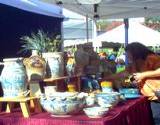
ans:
(48, 47)
(41, 42)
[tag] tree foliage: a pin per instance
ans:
(153, 22)
(102, 24)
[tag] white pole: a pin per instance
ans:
(87, 29)
(94, 29)
(94, 34)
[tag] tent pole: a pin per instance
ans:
(87, 29)
(62, 33)
(62, 37)
(94, 35)
(126, 26)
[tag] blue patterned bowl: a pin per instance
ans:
(129, 91)
(108, 98)
(61, 106)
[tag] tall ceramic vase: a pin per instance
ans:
(55, 62)
(13, 77)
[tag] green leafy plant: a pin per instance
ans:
(54, 44)
(41, 42)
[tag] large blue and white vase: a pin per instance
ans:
(13, 77)
(55, 63)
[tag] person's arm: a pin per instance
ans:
(140, 76)
(123, 74)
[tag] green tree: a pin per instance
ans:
(153, 22)
(102, 24)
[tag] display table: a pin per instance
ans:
(131, 112)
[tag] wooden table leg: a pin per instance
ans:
(37, 105)
(10, 106)
(0, 106)
(32, 105)
(79, 83)
(25, 109)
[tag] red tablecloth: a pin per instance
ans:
(131, 112)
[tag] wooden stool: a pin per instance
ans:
(23, 104)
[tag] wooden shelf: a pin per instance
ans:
(56, 80)
(60, 78)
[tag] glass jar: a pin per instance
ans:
(71, 87)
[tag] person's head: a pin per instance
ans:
(136, 51)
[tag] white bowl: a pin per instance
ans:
(96, 112)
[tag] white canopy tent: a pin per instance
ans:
(112, 8)
(108, 9)
(136, 33)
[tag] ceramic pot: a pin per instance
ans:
(13, 77)
(55, 62)
(35, 66)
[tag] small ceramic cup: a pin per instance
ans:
(50, 89)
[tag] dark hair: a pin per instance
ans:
(138, 50)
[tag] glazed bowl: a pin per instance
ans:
(95, 112)
(129, 91)
(62, 105)
(103, 99)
